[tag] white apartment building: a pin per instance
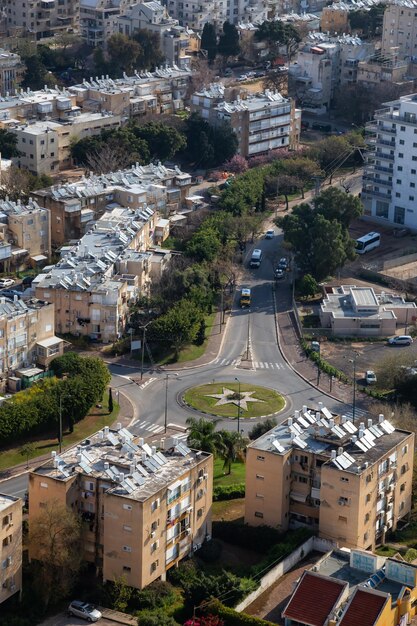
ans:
(195, 14)
(41, 18)
(400, 29)
(98, 19)
(262, 122)
(323, 65)
(389, 190)
(11, 72)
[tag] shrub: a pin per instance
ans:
(228, 492)
(233, 618)
(259, 429)
(156, 596)
(210, 551)
(155, 618)
(410, 555)
(263, 537)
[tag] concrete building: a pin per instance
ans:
(322, 66)
(262, 122)
(379, 70)
(389, 179)
(98, 19)
(354, 588)
(27, 336)
(360, 312)
(76, 206)
(10, 546)
(195, 15)
(28, 229)
(349, 482)
(11, 72)
(399, 31)
(41, 18)
(143, 509)
(334, 19)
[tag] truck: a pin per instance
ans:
(256, 258)
(245, 298)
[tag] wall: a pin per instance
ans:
(398, 261)
(314, 543)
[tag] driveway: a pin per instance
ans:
(63, 620)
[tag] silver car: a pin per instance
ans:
(84, 610)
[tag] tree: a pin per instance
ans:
(334, 203)
(260, 429)
(36, 75)
(231, 448)
(369, 22)
(150, 55)
(8, 144)
(302, 168)
(163, 141)
(279, 34)
(237, 164)
(330, 153)
(109, 157)
(229, 41)
(283, 185)
(110, 406)
(276, 80)
(209, 41)
(157, 617)
(27, 450)
(17, 183)
(357, 103)
(308, 286)
(202, 435)
(123, 53)
(55, 544)
(209, 145)
(178, 326)
(204, 245)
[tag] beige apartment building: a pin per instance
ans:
(28, 229)
(399, 31)
(27, 335)
(142, 508)
(10, 546)
(40, 18)
(75, 206)
(349, 482)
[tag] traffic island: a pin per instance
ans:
(233, 399)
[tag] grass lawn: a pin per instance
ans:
(96, 419)
(270, 401)
(386, 551)
(192, 352)
(237, 475)
(228, 510)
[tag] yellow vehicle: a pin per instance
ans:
(245, 298)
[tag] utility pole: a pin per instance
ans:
(143, 347)
(248, 337)
(238, 406)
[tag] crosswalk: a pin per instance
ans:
(360, 414)
(155, 429)
(256, 364)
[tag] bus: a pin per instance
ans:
(368, 242)
(256, 258)
(245, 298)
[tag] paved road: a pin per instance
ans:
(268, 365)
(63, 620)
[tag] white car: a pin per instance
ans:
(400, 340)
(84, 610)
(6, 282)
(270, 234)
(370, 377)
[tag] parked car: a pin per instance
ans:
(370, 377)
(242, 78)
(315, 346)
(6, 282)
(10, 293)
(84, 610)
(279, 273)
(228, 71)
(283, 264)
(400, 340)
(270, 234)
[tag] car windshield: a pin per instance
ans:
(89, 608)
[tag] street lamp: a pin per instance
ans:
(238, 405)
(143, 346)
(166, 401)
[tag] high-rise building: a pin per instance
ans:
(41, 18)
(399, 31)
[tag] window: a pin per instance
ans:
(402, 488)
(402, 128)
(127, 528)
(414, 158)
(400, 155)
(343, 479)
(127, 549)
(414, 171)
(44, 485)
(404, 449)
(412, 184)
(342, 519)
(402, 142)
(399, 182)
(259, 514)
(155, 504)
(398, 195)
(200, 513)
(260, 477)
(302, 479)
(367, 516)
(127, 507)
(154, 526)
(368, 497)
(404, 468)
(154, 565)
(303, 459)
(343, 501)
(260, 458)
(259, 495)
(127, 569)
(411, 198)
(400, 168)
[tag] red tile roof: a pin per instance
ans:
(314, 599)
(364, 608)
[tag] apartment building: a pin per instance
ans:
(360, 312)
(11, 72)
(389, 179)
(143, 508)
(354, 588)
(323, 65)
(75, 206)
(97, 277)
(399, 31)
(334, 19)
(349, 482)
(195, 15)
(379, 70)
(28, 229)
(10, 546)
(40, 18)
(98, 19)
(262, 122)
(27, 336)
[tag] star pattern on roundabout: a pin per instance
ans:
(227, 398)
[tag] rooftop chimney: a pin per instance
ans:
(380, 418)
(339, 451)
(106, 465)
(289, 421)
(369, 423)
(333, 454)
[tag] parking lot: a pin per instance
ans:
(63, 620)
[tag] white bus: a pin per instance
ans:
(368, 242)
(256, 258)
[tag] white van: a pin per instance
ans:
(256, 258)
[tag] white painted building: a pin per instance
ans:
(389, 189)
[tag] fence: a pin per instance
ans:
(313, 543)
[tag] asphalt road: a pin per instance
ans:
(268, 365)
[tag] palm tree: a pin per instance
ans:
(202, 435)
(233, 445)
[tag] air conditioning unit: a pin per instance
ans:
(205, 476)
(188, 531)
(200, 479)
(190, 509)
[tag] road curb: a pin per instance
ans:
(325, 393)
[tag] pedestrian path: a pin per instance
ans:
(155, 429)
(256, 364)
(361, 414)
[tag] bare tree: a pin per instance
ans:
(202, 75)
(276, 80)
(109, 158)
(55, 547)
(15, 184)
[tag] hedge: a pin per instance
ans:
(233, 618)
(322, 364)
(228, 492)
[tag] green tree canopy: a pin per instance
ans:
(209, 41)
(8, 144)
(334, 203)
(202, 435)
(178, 326)
(163, 141)
(209, 145)
(204, 245)
(150, 55)
(229, 41)
(123, 53)
(279, 34)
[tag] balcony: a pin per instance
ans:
(378, 194)
(378, 168)
(377, 181)
(384, 142)
(382, 155)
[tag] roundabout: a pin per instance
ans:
(228, 399)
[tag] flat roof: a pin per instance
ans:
(364, 296)
(6, 501)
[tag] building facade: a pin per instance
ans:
(142, 508)
(28, 229)
(389, 179)
(41, 18)
(11, 72)
(399, 31)
(350, 482)
(10, 546)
